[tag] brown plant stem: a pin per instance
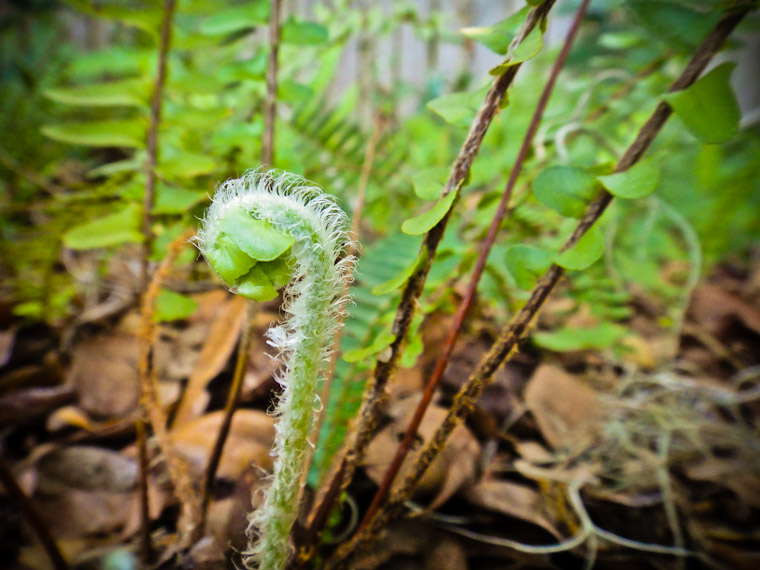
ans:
(152, 143)
(146, 550)
(270, 108)
(143, 475)
(374, 395)
(33, 517)
(403, 449)
(516, 331)
(233, 399)
(149, 400)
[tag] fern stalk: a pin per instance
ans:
(314, 228)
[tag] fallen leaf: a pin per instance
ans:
(77, 513)
(86, 468)
(104, 374)
(214, 355)
(454, 467)
(715, 309)
(512, 499)
(732, 473)
(29, 404)
(249, 442)
(569, 412)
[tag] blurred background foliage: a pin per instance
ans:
(76, 78)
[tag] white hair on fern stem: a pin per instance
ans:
(313, 302)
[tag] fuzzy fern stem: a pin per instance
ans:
(262, 231)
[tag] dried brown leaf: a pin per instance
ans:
(454, 467)
(249, 441)
(214, 355)
(512, 499)
(104, 374)
(568, 411)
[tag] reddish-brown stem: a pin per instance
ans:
(146, 544)
(32, 516)
(461, 314)
(270, 110)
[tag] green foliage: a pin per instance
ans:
(235, 19)
(588, 250)
(527, 263)
(639, 181)
(679, 25)
(498, 36)
(124, 133)
(709, 108)
(114, 229)
(565, 189)
(171, 306)
(423, 223)
(569, 339)
(458, 109)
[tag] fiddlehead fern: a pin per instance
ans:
(261, 232)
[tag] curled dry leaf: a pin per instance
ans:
(216, 351)
(30, 403)
(104, 374)
(733, 473)
(512, 499)
(248, 442)
(86, 468)
(404, 541)
(78, 514)
(715, 309)
(454, 467)
(569, 412)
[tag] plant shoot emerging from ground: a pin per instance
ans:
(261, 232)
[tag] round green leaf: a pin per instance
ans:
(497, 37)
(529, 47)
(588, 249)
(399, 280)
(303, 33)
(382, 340)
(565, 189)
(423, 223)
(709, 108)
(458, 109)
(429, 183)
(527, 263)
(637, 182)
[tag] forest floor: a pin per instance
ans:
(649, 460)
